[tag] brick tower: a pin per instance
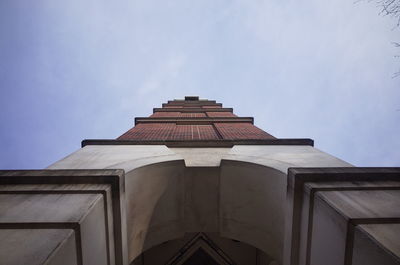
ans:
(194, 120)
(195, 184)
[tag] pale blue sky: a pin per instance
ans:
(77, 69)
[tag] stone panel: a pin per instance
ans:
(252, 200)
(88, 202)
(201, 209)
(367, 251)
(322, 200)
(38, 246)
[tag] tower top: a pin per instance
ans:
(191, 98)
(194, 119)
(195, 122)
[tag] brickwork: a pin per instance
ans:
(151, 131)
(220, 114)
(170, 131)
(211, 107)
(181, 130)
(174, 114)
(236, 131)
(192, 115)
(194, 132)
(207, 132)
(165, 114)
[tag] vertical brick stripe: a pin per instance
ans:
(194, 132)
(178, 114)
(220, 114)
(165, 114)
(170, 131)
(151, 131)
(192, 115)
(182, 132)
(237, 131)
(207, 132)
(211, 107)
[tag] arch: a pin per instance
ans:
(217, 250)
(239, 200)
(252, 205)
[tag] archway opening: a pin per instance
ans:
(238, 200)
(203, 249)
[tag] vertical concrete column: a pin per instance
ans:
(62, 217)
(331, 210)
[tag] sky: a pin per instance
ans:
(83, 69)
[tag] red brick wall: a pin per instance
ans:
(172, 131)
(241, 131)
(178, 114)
(220, 114)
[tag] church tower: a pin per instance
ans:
(195, 184)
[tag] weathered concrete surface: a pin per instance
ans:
(202, 194)
(335, 203)
(116, 156)
(96, 189)
(128, 157)
(328, 236)
(241, 199)
(357, 204)
(202, 157)
(38, 206)
(351, 194)
(282, 157)
(237, 193)
(86, 211)
(368, 252)
(94, 235)
(337, 215)
(252, 200)
(154, 201)
(386, 234)
(37, 247)
(29, 208)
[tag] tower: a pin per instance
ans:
(195, 184)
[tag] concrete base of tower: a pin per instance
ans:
(222, 205)
(129, 157)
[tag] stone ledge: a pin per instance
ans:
(193, 121)
(192, 110)
(199, 143)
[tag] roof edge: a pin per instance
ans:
(201, 143)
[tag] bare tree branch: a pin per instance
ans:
(390, 8)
